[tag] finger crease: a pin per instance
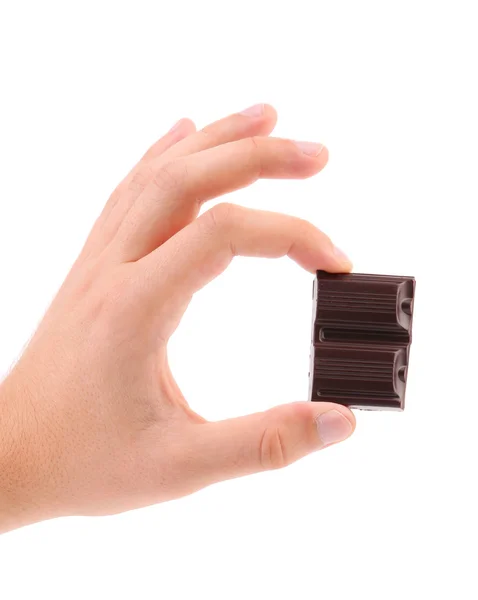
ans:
(258, 158)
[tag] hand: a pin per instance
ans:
(92, 421)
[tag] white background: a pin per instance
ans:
(391, 88)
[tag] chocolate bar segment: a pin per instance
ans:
(361, 336)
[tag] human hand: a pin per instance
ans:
(91, 419)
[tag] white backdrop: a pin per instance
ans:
(390, 87)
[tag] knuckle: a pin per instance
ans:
(112, 292)
(222, 215)
(272, 449)
(253, 143)
(207, 133)
(114, 297)
(115, 196)
(306, 230)
(255, 156)
(285, 435)
(140, 180)
(303, 227)
(170, 177)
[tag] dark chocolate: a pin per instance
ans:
(361, 336)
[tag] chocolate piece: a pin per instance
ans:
(361, 336)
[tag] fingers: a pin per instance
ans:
(138, 178)
(183, 129)
(269, 440)
(203, 249)
(258, 120)
(131, 186)
(173, 198)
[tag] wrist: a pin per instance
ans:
(21, 480)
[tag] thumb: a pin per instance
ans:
(269, 440)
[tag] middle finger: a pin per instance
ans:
(256, 120)
(175, 194)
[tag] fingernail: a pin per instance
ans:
(333, 427)
(310, 148)
(340, 254)
(254, 111)
(175, 126)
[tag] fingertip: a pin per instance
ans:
(305, 411)
(270, 115)
(332, 259)
(323, 158)
(313, 157)
(335, 423)
(348, 414)
(322, 407)
(317, 251)
(184, 126)
(180, 130)
(261, 118)
(343, 262)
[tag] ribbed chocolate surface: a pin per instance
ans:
(361, 338)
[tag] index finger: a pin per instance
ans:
(202, 250)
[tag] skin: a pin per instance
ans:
(91, 419)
